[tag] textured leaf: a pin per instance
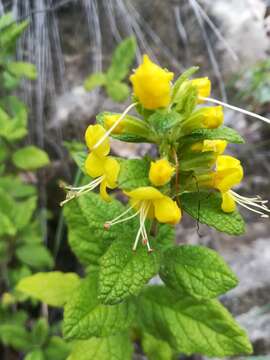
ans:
(24, 211)
(118, 91)
(30, 158)
(85, 218)
(85, 316)
(206, 208)
(134, 173)
(36, 256)
(116, 347)
(196, 271)
(52, 288)
(15, 187)
(165, 237)
(35, 355)
(191, 326)
(156, 349)
(221, 133)
(94, 80)
(124, 272)
(183, 77)
(122, 59)
(40, 332)
(6, 225)
(162, 121)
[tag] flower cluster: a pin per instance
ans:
(191, 142)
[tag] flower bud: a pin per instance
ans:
(203, 86)
(152, 85)
(161, 172)
(212, 117)
(217, 146)
(109, 121)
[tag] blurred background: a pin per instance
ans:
(229, 40)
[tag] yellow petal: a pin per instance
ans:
(145, 193)
(213, 117)
(218, 146)
(225, 162)
(228, 203)
(203, 86)
(167, 211)
(92, 135)
(152, 85)
(103, 191)
(94, 165)
(111, 171)
(160, 172)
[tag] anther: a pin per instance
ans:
(107, 226)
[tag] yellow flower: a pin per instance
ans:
(229, 172)
(152, 85)
(203, 86)
(104, 168)
(217, 146)
(161, 172)
(212, 117)
(152, 204)
(110, 120)
(92, 135)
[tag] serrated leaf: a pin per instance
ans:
(30, 158)
(183, 77)
(191, 326)
(116, 347)
(85, 316)
(53, 288)
(206, 208)
(162, 121)
(156, 349)
(196, 271)
(10, 33)
(122, 59)
(221, 133)
(117, 91)
(165, 237)
(36, 256)
(124, 273)
(94, 80)
(22, 69)
(134, 173)
(85, 219)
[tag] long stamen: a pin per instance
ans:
(75, 192)
(246, 112)
(113, 222)
(114, 125)
(251, 203)
(140, 228)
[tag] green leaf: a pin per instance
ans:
(165, 237)
(52, 288)
(22, 69)
(162, 121)
(15, 187)
(57, 349)
(116, 347)
(117, 91)
(35, 355)
(124, 273)
(40, 332)
(35, 255)
(122, 60)
(196, 271)
(16, 336)
(94, 80)
(191, 326)
(85, 316)
(30, 158)
(206, 208)
(85, 219)
(6, 225)
(221, 133)
(134, 173)
(10, 33)
(24, 212)
(156, 349)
